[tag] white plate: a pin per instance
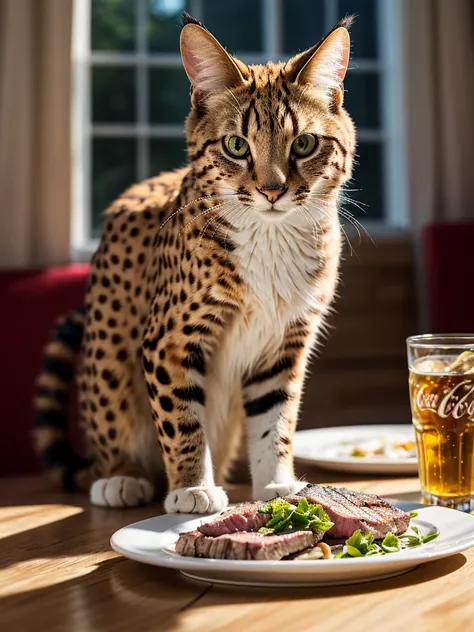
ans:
(320, 447)
(152, 542)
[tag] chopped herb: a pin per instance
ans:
(429, 537)
(303, 506)
(414, 537)
(353, 551)
(363, 545)
(287, 517)
(276, 505)
(413, 514)
(266, 531)
(375, 549)
(390, 543)
(277, 518)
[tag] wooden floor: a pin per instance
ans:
(58, 573)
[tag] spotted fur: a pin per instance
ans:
(212, 283)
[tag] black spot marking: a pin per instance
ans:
(162, 375)
(168, 428)
(166, 403)
(148, 365)
(122, 355)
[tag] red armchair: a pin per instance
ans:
(31, 301)
(447, 257)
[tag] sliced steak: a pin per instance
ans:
(245, 517)
(244, 546)
(186, 543)
(354, 510)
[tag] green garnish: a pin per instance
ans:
(303, 506)
(390, 543)
(429, 537)
(287, 517)
(414, 538)
(265, 531)
(363, 545)
(309, 516)
(272, 507)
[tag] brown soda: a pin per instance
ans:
(443, 416)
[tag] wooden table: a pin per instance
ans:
(57, 572)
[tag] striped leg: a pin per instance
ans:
(271, 401)
(177, 401)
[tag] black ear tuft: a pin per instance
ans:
(186, 18)
(346, 22)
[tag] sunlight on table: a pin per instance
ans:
(20, 518)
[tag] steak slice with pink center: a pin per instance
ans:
(354, 510)
(244, 517)
(244, 546)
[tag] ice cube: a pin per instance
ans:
(464, 363)
(430, 365)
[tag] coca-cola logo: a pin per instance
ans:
(459, 401)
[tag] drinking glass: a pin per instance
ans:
(442, 404)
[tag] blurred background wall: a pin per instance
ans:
(93, 97)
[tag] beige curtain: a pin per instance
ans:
(439, 72)
(35, 92)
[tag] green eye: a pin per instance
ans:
(304, 145)
(237, 147)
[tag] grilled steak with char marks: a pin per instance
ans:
(244, 517)
(244, 545)
(354, 510)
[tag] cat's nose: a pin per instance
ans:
(272, 192)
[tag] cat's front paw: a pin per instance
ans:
(275, 490)
(121, 492)
(199, 500)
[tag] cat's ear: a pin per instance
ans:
(208, 65)
(325, 64)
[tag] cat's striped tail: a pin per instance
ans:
(50, 433)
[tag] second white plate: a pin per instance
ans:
(322, 447)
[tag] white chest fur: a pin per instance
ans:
(278, 262)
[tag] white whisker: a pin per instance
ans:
(208, 210)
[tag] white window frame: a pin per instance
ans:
(390, 135)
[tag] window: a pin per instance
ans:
(132, 94)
